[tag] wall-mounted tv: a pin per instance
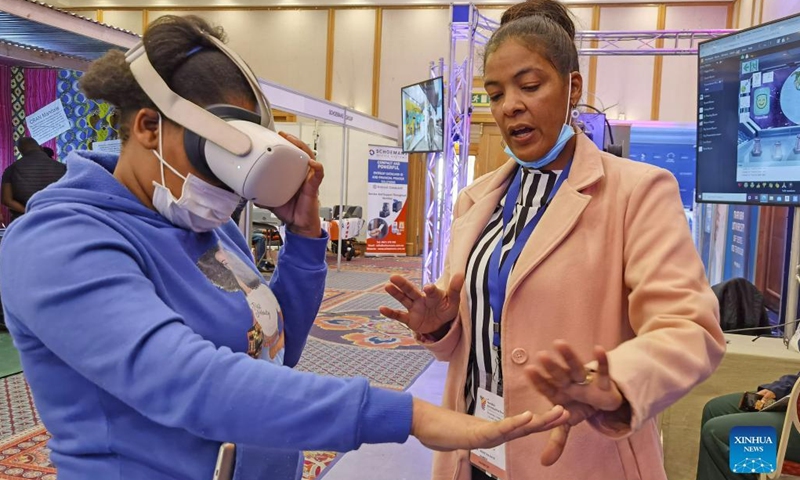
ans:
(423, 119)
(748, 116)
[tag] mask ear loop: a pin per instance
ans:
(160, 156)
(161, 150)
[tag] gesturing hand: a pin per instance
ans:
(427, 310)
(565, 380)
(442, 429)
(301, 213)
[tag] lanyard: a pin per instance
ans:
(498, 274)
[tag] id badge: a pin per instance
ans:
(490, 406)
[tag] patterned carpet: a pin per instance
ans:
(348, 329)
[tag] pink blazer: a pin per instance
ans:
(611, 263)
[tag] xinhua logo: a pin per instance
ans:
(753, 449)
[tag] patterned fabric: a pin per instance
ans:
(484, 358)
(40, 91)
(6, 129)
(17, 104)
(92, 121)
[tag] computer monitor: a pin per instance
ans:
(748, 130)
(594, 126)
(423, 119)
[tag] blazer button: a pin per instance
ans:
(519, 356)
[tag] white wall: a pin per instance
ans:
(411, 40)
(353, 55)
(625, 84)
(284, 46)
(678, 102)
(125, 19)
(775, 9)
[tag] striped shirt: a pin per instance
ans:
(484, 368)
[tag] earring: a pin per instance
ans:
(575, 113)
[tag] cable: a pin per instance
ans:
(608, 125)
(760, 328)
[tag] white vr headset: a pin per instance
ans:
(236, 146)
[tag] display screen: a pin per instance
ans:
(748, 118)
(594, 126)
(423, 121)
(670, 146)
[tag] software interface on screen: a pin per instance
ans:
(423, 125)
(748, 146)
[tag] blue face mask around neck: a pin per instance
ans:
(566, 134)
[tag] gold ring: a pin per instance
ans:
(587, 379)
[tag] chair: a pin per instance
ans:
(741, 306)
(782, 466)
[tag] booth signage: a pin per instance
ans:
(48, 122)
(386, 200)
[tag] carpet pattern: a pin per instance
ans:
(360, 342)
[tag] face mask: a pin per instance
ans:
(566, 134)
(201, 208)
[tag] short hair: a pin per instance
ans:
(27, 145)
(49, 151)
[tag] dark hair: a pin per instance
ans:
(27, 145)
(190, 63)
(542, 26)
(49, 151)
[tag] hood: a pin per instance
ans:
(90, 181)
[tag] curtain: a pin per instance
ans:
(6, 128)
(40, 90)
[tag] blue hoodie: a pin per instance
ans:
(147, 345)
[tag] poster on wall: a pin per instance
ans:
(740, 243)
(48, 122)
(387, 191)
(108, 146)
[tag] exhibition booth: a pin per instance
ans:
(344, 140)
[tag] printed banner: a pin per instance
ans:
(48, 122)
(108, 146)
(386, 203)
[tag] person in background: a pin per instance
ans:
(570, 279)
(722, 413)
(49, 151)
(143, 354)
(28, 175)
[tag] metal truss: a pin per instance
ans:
(650, 42)
(447, 171)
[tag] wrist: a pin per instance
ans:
(313, 231)
(441, 332)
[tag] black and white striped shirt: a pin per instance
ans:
(484, 368)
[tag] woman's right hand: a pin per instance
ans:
(429, 309)
(443, 430)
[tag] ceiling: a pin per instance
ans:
(151, 4)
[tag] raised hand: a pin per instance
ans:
(427, 310)
(442, 429)
(301, 213)
(582, 390)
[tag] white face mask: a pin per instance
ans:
(201, 208)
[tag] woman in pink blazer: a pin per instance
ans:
(571, 279)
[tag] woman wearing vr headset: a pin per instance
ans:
(563, 242)
(142, 357)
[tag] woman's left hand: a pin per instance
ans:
(583, 391)
(301, 213)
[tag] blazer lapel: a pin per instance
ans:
(468, 227)
(563, 213)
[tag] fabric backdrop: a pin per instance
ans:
(6, 129)
(40, 90)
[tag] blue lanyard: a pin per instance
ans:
(498, 274)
